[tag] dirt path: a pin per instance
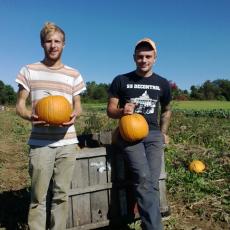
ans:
(13, 173)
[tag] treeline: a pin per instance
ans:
(209, 90)
(7, 94)
(95, 92)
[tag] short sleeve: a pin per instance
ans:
(23, 78)
(166, 96)
(114, 87)
(79, 85)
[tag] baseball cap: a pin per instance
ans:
(147, 40)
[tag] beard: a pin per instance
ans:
(53, 57)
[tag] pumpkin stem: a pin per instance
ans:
(46, 92)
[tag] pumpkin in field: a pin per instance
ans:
(196, 166)
(133, 127)
(53, 109)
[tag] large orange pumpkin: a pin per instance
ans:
(133, 127)
(196, 166)
(53, 109)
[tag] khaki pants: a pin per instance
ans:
(48, 164)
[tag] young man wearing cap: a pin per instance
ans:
(142, 91)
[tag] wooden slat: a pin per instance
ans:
(91, 226)
(81, 203)
(163, 198)
(88, 189)
(91, 152)
(98, 199)
(70, 213)
(164, 207)
(103, 138)
(163, 173)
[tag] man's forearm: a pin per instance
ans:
(165, 119)
(23, 112)
(21, 108)
(115, 113)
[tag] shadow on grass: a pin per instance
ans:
(14, 206)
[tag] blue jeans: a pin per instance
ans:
(144, 161)
(46, 164)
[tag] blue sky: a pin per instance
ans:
(192, 36)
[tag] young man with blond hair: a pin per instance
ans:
(143, 91)
(52, 148)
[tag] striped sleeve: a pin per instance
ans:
(23, 78)
(79, 85)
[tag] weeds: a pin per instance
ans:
(206, 139)
(205, 195)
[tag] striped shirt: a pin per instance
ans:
(40, 81)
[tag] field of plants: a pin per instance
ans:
(197, 201)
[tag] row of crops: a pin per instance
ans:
(216, 109)
(218, 113)
(203, 135)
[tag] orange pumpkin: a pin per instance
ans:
(196, 166)
(53, 109)
(133, 127)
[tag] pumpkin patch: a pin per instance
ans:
(133, 127)
(53, 109)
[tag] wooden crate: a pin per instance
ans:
(101, 194)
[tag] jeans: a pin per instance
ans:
(144, 161)
(48, 164)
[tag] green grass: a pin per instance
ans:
(201, 105)
(194, 105)
(94, 106)
(208, 140)
(206, 195)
